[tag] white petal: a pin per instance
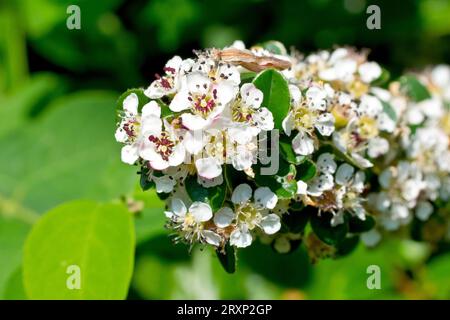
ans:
(325, 124)
(377, 146)
(180, 102)
(201, 211)
(193, 122)
(369, 71)
(230, 73)
(424, 210)
(209, 183)
(271, 223)
(198, 83)
(361, 161)
(174, 63)
(251, 96)
(265, 198)
(121, 135)
(212, 237)
(326, 163)
(410, 190)
(208, 168)
(151, 109)
(301, 187)
(360, 212)
(224, 217)
(155, 90)
(344, 174)
(164, 184)
(370, 105)
(226, 92)
(316, 98)
(130, 104)
(383, 201)
(243, 159)
(240, 238)
(129, 154)
(324, 182)
(288, 124)
(178, 207)
(151, 126)
(193, 141)
(178, 155)
(371, 238)
(400, 211)
(385, 123)
(296, 95)
(158, 163)
(264, 119)
(242, 134)
(303, 144)
(358, 181)
(241, 194)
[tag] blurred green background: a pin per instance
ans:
(58, 89)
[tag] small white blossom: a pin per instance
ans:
(249, 212)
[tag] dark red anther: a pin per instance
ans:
(168, 69)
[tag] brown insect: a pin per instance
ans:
(249, 60)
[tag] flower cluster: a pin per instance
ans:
(259, 143)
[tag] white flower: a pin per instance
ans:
(369, 71)
(190, 222)
(324, 181)
(371, 238)
(306, 117)
(377, 147)
(342, 68)
(208, 168)
(133, 126)
(247, 116)
(204, 99)
(248, 214)
(424, 210)
(217, 71)
(161, 146)
(169, 82)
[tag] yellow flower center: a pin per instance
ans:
(248, 214)
(367, 128)
(305, 118)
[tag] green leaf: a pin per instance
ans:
(295, 221)
(233, 177)
(150, 222)
(228, 258)
(247, 76)
(323, 229)
(97, 238)
(357, 225)
(347, 246)
(306, 171)
(276, 94)
(14, 288)
(68, 153)
(286, 270)
(414, 88)
(12, 237)
(387, 108)
(215, 196)
(275, 47)
(29, 100)
(144, 182)
(287, 152)
(283, 184)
